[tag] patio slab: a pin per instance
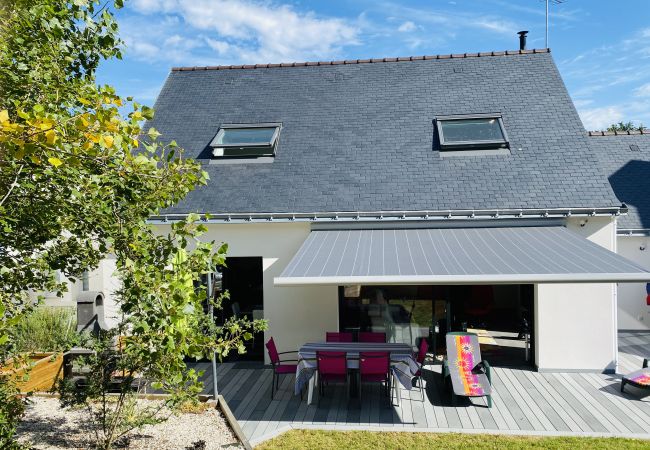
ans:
(525, 402)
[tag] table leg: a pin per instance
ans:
(310, 388)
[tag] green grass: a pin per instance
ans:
(362, 440)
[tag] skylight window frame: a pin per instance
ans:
(472, 144)
(270, 145)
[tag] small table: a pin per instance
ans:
(403, 365)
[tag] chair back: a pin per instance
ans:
(331, 336)
(274, 356)
(331, 363)
(463, 351)
(236, 311)
(370, 336)
(422, 351)
(374, 363)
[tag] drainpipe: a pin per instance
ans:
(615, 298)
(214, 358)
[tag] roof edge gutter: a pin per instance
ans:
(642, 232)
(386, 216)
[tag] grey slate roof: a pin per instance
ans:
(628, 172)
(360, 137)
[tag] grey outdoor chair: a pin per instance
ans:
(469, 374)
(639, 378)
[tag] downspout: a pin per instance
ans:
(215, 388)
(615, 297)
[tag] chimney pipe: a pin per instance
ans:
(522, 39)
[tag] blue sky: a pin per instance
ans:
(602, 47)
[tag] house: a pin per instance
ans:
(407, 195)
(625, 157)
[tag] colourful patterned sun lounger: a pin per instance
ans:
(470, 376)
(639, 378)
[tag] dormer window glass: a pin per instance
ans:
(245, 140)
(467, 132)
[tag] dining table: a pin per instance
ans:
(403, 365)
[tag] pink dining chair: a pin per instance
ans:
(331, 367)
(331, 336)
(374, 367)
(422, 354)
(371, 336)
(279, 366)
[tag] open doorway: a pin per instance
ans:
(242, 277)
(500, 314)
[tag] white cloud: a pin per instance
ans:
(643, 90)
(406, 27)
(601, 118)
(250, 31)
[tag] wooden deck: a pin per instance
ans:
(525, 402)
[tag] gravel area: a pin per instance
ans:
(47, 426)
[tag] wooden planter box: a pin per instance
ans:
(46, 369)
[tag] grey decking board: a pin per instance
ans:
(510, 403)
(248, 403)
(229, 391)
(607, 418)
(246, 389)
(486, 418)
(631, 409)
(602, 414)
(268, 421)
(502, 415)
(609, 404)
(583, 402)
(577, 411)
(433, 392)
(285, 398)
(528, 405)
(581, 409)
(558, 405)
(417, 409)
(541, 402)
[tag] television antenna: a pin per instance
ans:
(556, 2)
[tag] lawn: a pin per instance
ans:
(301, 439)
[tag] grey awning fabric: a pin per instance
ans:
(455, 255)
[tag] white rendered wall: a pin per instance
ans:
(296, 315)
(633, 312)
(575, 324)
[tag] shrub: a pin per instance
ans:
(46, 329)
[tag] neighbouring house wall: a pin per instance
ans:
(68, 297)
(101, 279)
(633, 312)
(295, 314)
(575, 324)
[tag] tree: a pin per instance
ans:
(79, 180)
(625, 126)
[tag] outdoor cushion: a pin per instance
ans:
(640, 379)
(468, 378)
(286, 368)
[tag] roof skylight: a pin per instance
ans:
(482, 131)
(245, 140)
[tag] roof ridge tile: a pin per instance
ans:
(619, 133)
(363, 61)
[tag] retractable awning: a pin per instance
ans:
(550, 254)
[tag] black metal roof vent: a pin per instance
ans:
(522, 39)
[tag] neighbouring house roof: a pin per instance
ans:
(359, 135)
(625, 157)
